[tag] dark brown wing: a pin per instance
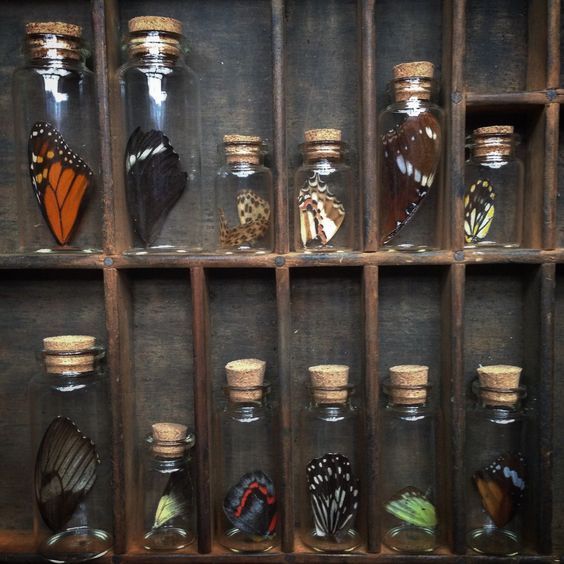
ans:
(65, 471)
(410, 157)
(60, 180)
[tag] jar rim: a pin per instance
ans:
(520, 391)
(188, 441)
(265, 387)
(97, 351)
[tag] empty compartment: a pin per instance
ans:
(505, 45)
(229, 48)
(34, 305)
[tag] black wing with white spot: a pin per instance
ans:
(154, 181)
(334, 494)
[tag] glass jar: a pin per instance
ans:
(494, 179)
(71, 442)
(161, 103)
(247, 504)
(167, 488)
(243, 197)
(408, 462)
(411, 134)
(59, 190)
(328, 484)
(325, 198)
(494, 462)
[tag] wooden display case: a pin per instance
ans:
(171, 322)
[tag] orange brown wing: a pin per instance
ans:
(60, 180)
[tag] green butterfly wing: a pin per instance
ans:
(413, 507)
(175, 501)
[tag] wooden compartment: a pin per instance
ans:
(172, 322)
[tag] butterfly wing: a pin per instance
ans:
(254, 219)
(154, 181)
(413, 507)
(65, 471)
(175, 500)
(410, 154)
(250, 505)
(334, 494)
(479, 211)
(321, 213)
(60, 180)
(501, 486)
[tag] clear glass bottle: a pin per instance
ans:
(59, 190)
(330, 463)
(71, 442)
(247, 472)
(161, 103)
(243, 197)
(325, 201)
(408, 463)
(494, 179)
(167, 488)
(411, 140)
(494, 462)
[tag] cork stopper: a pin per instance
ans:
(169, 439)
(499, 384)
(242, 148)
(327, 376)
(155, 23)
(245, 378)
(53, 28)
(413, 80)
(59, 357)
(319, 135)
(493, 140)
(408, 384)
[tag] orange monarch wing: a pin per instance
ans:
(60, 179)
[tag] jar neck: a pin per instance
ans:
(410, 409)
(154, 47)
(169, 454)
(71, 364)
(323, 152)
(53, 50)
(413, 91)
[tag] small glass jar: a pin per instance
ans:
(243, 196)
(494, 179)
(161, 103)
(59, 191)
(494, 462)
(325, 199)
(247, 514)
(71, 442)
(408, 463)
(329, 487)
(411, 140)
(167, 488)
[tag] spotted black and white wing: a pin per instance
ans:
(334, 494)
(154, 181)
(479, 210)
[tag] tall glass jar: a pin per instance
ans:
(167, 488)
(71, 442)
(328, 479)
(494, 462)
(161, 103)
(243, 197)
(325, 201)
(411, 140)
(247, 514)
(59, 191)
(494, 179)
(408, 463)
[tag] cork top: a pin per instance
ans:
(422, 69)
(245, 378)
(54, 28)
(493, 141)
(494, 130)
(155, 23)
(169, 439)
(408, 384)
(320, 135)
(69, 354)
(329, 383)
(236, 138)
(499, 384)
(242, 148)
